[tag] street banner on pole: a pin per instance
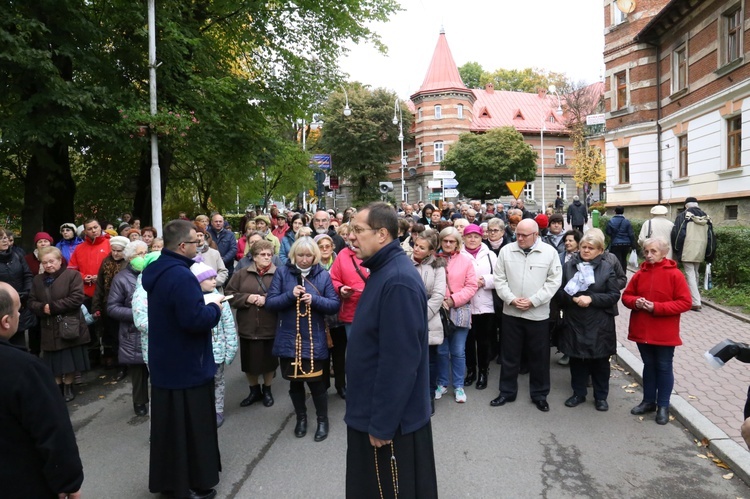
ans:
(434, 184)
(322, 161)
(443, 174)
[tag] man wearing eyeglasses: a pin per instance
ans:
(527, 276)
(184, 459)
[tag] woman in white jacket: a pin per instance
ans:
(432, 271)
(479, 340)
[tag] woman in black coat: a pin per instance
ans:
(15, 271)
(56, 297)
(588, 335)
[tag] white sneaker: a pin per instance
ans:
(460, 395)
(440, 391)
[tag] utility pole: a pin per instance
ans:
(156, 220)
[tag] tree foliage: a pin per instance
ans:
(588, 163)
(483, 163)
(523, 80)
(471, 74)
(68, 67)
(363, 144)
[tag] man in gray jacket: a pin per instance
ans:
(578, 215)
(528, 273)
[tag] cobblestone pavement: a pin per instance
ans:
(718, 394)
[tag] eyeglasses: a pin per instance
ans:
(450, 241)
(266, 255)
(493, 231)
(359, 230)
(325, 246)
(190, 242)
(522, 236)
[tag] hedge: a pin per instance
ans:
(732, 263)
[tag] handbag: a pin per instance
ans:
(69, 327)
(448, 326)
(459, 316)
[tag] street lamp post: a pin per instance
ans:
(398, 119)
(552, 89)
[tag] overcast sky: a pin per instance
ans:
(553, 35)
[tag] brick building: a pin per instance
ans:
(443, 108)
(677, 98)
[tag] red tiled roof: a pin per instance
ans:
(443, 72)
(503, 106)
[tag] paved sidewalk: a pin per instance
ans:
(709, 401)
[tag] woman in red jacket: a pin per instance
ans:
(657, 295)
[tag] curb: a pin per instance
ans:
(726, 449)
(721, 309)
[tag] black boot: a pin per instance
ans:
(267, 396)
(321, 410)
(662, 415)
(482, 379)
(255, 395)
(62, 390)
(471, 376)
(68, 393)
(298, 401)
(322, 432)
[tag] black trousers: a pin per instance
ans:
(598, 369)
(338, 356)
(139, 379)
(579, 228)
(415, 466)
(479, 342)
(621, 251)
(521, 335)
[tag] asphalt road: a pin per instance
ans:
(512, 451)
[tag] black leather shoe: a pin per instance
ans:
(501, 400)
(255, 396)
(267, 396)
(68, 393)
(542, 405)
(601, 405)
(122, 373)
(140, 410)
(471, 376)
(341, 392)
(574, 401)
(662, 415)
(482, 380)
(643, 408)
(300, 429)
(322, 432)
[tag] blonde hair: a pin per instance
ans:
(593, 239)
(304, 242)
(50, 250)
(304, 231)
(452, 231)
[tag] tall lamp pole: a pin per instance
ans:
(398, 119)
(559, 111)
(156, 220)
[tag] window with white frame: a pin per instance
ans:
(618, 16)
(419, 114)
(679, 68)
(419, 154)
(438, 112)
(561, 191)
(528, 191)
(460, 111)
(732, 34)
(439, 152)
(559, 155)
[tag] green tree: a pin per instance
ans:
(363, 144)
(588, 163)
(483, 163)
(523, 80)
(471, 74)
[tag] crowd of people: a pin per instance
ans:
(498, 284)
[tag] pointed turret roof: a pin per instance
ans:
(443, 73)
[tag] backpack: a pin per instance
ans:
(695, 238)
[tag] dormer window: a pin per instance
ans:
(551, 119)
(518, 115)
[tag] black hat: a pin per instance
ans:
(691, 199)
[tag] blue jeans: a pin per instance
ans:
(658, 377)
(455, 347)
(348, 329)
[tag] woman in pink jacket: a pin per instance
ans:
(461, 285)
(657, 295)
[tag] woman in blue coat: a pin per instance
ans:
(302, 294)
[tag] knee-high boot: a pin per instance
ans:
(321, 410)
(298, 401)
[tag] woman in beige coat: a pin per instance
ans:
(432, 271)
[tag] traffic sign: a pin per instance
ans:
(434, 184)
(434, 195)
(516, 188)
(442, 174)
(450, 183)
(451, 193)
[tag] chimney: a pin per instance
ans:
(489, 88)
